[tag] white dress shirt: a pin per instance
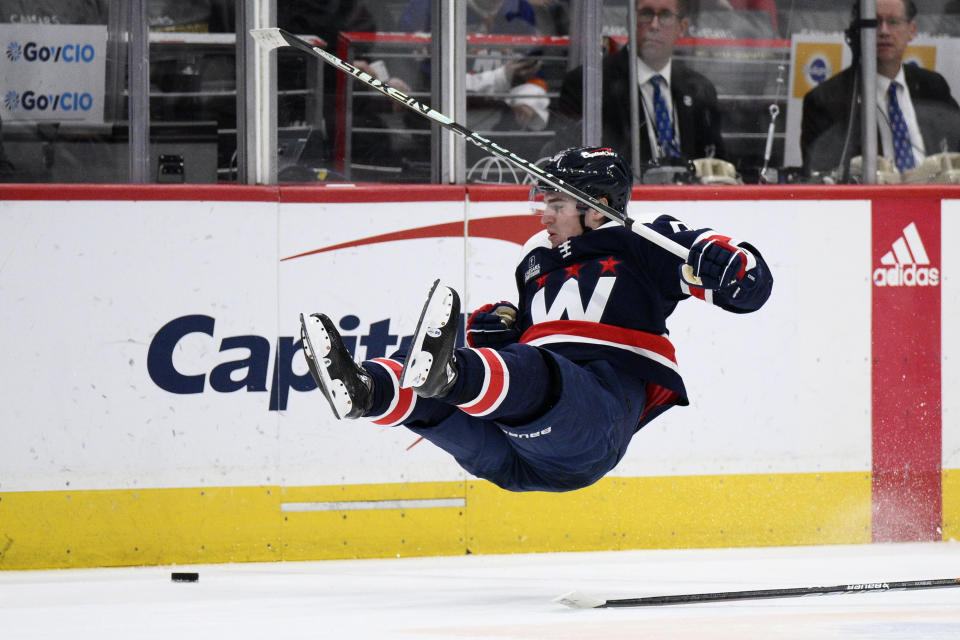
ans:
(644, 75)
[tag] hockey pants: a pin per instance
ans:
(539, 421)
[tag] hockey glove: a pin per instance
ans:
(718, 263)
(493, 326)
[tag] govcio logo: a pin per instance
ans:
(33, 52)
(33, 101)
(906, 264)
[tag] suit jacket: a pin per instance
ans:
(826, 111)
(694, 99)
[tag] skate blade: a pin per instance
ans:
(435, 315)
(333, 390)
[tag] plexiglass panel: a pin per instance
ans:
(752, 91)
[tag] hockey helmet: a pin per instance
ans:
(597, 171)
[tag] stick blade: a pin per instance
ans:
(579, 600)
(269, 38)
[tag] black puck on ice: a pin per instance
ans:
(185, 576)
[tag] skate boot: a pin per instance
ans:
(430, 367)
(344, 383)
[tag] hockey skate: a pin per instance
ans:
(344, 383)
(430, 367)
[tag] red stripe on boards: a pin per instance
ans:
(906, 383)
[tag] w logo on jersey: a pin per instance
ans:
(568, 303)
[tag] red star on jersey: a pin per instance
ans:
(608, 265)
(573, 271)
(542, 280)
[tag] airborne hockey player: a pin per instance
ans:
(550, 392)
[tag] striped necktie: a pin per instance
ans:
(902, 149)
(662, 118)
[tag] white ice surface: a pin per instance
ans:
(509, 596)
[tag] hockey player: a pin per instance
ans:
(550, 392)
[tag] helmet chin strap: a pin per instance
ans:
(583, 209)
(583, 214)
(583, 223)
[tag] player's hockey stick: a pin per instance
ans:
(273, 38)
(578, 600)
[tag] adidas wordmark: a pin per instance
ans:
(907, 263)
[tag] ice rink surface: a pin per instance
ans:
(508, 596)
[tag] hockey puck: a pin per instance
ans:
(184, 576)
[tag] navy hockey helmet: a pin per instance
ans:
(597, 171)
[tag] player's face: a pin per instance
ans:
(659, 25)
(561, 218)
(894, 33)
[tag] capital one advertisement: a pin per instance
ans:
(52, 72)
(156, 343)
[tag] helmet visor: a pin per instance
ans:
(542, 198)
(536, 199)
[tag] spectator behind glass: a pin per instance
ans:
(688, 125)
(54, 11)
(930, 115)
(527, 106)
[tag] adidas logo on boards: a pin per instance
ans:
(905, 265)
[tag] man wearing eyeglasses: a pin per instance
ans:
(916, 114)
(679, 112)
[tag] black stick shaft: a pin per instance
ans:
(274, 37)
(782, 593)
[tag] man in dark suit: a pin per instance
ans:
(917, 116)
(679, 113)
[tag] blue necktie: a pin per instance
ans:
(902, 149)
(662, 117)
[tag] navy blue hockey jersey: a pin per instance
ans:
(606, 295)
